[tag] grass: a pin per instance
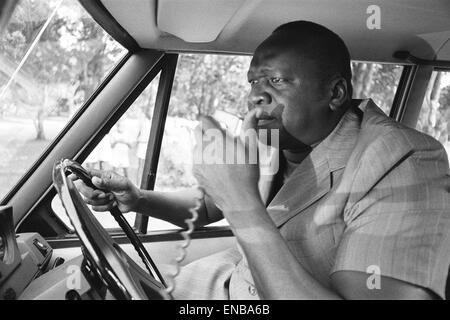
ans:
(19, 148)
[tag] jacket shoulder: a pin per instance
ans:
(380, 131)
(385, 145)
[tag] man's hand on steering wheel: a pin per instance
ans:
(121, 275)
(115, 190)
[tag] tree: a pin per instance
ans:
(68, 62)
(376, 81)
(434, 117)
(205, 83)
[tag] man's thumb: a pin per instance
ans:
(248, 135)
(250, 120)
(110, 181)
(98, 182)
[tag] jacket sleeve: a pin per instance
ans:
(397, 219)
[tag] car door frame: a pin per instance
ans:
(103, 110)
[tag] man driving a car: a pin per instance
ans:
(358, 209)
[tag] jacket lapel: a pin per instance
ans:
(307, 184)
(313, 178)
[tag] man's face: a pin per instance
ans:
(287, 89)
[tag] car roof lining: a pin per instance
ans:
(238, 26)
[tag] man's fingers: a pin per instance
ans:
(73, 177)
(88, 192)
(95, 172)
(110, 181)
(248, 134)
(103, 208)
(83, 188)
(250, 120)
(198, 135)
(99, 202)
(98, 182)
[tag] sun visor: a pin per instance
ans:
(196, 20)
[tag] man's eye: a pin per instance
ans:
(252, 82)
(277, 80)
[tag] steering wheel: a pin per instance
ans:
(104, 258)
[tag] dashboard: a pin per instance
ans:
(28, 270)
(25, 268)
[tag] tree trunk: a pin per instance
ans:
(433, 93)
(368, 80)
(40, 116)
(39, 124)
(436, 88)
(429, 112)
(148, 108)
(358, 76)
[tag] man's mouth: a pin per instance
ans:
(264, 120)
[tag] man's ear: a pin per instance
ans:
(339, 94)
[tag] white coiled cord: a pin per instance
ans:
(187, 240)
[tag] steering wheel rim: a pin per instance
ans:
(117, 271)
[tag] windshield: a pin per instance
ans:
(53, 56)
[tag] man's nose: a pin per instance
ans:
(257, 98)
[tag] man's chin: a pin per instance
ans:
(271, 134)
(285, 146)
(287, 142)
(269, 143)
(268, 136)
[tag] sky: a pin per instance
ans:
(446, 79)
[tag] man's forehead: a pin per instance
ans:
(276, 57)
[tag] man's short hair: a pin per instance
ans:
(321, 45)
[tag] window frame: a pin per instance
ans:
(167, 66)
(407, 112)
(421, 79)
(156, 134)
(66, 128)
(403, 92)
(37, 208)
(42, 206)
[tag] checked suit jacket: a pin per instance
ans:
(373, 195)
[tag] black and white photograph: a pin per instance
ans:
(224, 154)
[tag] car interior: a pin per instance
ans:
(52, 245)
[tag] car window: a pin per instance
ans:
(204, 84)
(53, 56)
(217, 85)
(122, 150)
(434, 117)
(377, 81)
